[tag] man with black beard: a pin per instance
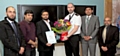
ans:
(44, 48)
(11, 35)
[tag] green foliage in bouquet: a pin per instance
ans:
(61, 26)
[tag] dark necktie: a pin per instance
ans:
(16, 33)
(70, 17)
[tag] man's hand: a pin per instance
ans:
(104, 48)
(21, 50)
(34, 45)
(30, 42)
(48, 44)
(65, 38)
(87, 38)
(55, 34)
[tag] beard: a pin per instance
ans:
(71, 12)
(12, 19)
(45, 18)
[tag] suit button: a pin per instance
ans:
(9, 49)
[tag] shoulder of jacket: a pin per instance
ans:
(77, 14)
(39, 22)
(95, 16)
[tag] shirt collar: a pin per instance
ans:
(88, 16)
(71, 14)
(9, 20)
(46, 21)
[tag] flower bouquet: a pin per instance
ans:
(61, 27)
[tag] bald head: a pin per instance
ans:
(107, 21)
(70, 7)
(11, 13)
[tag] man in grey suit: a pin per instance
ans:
(90, 26)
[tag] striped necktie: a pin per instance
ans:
(87, 22)
(16, 33)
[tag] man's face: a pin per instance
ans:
(11, 14)
(107, 21)
(70, 8)
(88, 11)
(28, 16)
(45, 15)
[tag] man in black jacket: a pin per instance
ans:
(11, 35)
(44, 48)
(108, 38)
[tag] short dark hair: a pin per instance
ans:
(44, 11)
(89, 7)
(71, 3)
(9, 7)
(28, 11)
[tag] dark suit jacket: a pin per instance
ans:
(112, 38)
(42, 40)
(7, 35)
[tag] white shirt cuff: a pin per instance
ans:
(90, 36)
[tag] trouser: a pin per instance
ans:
(72, 46)
(30, 52)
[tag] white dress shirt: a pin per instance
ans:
(88, 16)
(75, 20)
(48, 24)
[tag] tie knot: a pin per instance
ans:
(106, 27)
(12, 22)
(70, 16)
(88, 17)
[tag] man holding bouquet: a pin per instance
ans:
(44, 48)
(72, 39)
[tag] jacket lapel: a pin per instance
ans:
(45, 25)
(90, 21)
(89, 24)
(84, 24)
(6, 22)
(108, 33)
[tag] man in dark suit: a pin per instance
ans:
(108, 38)
(11, 35)
(44, 48)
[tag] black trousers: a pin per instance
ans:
(72, 46)
(107, 53)
(46, 53)
(30, 52)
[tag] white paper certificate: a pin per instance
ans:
(51, 37)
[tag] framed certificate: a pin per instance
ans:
(51, 37)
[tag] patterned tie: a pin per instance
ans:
(87, 22)
(104, 34)
(16, 33)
